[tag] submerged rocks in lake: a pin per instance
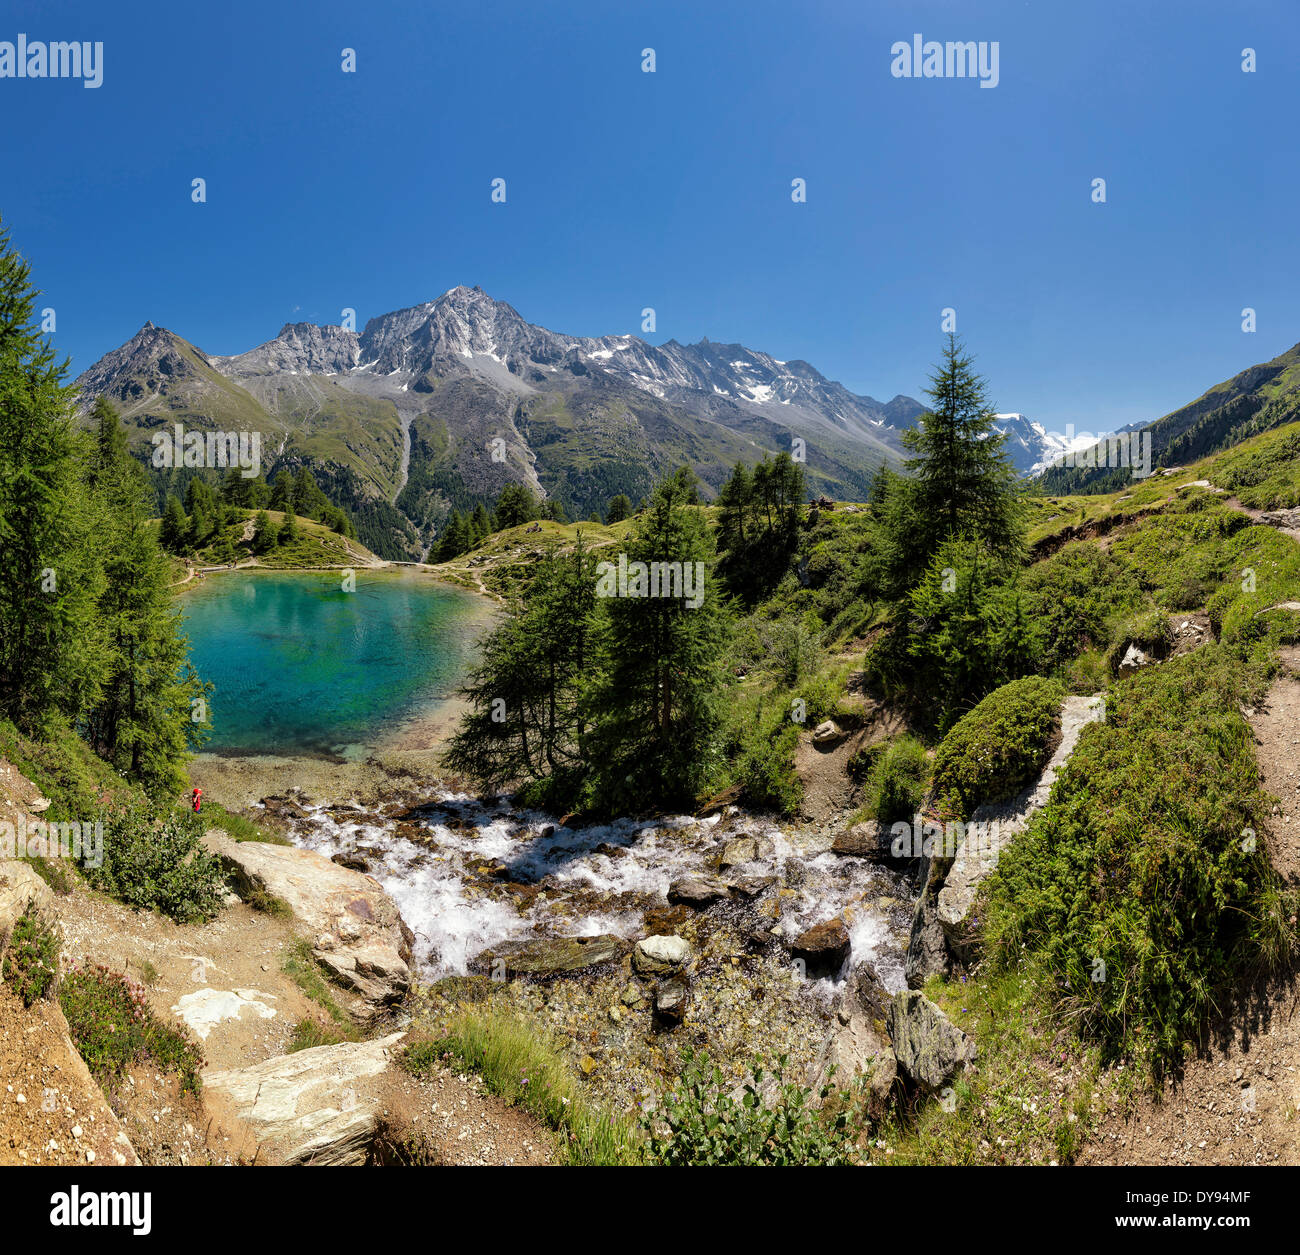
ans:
(551, 956)
(929, 1047)
(823, 948)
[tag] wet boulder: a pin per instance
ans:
(552, 956)
(697, 892)
(869, 839)
(660, 956)
(823, 948)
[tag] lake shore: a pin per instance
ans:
(407, 761)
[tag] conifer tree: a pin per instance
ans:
(50, 640)
(653, 704)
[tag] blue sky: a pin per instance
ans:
(625, 189)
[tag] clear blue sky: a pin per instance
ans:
(672, 189)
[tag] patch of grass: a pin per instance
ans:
(523, 1067)
(31, 958)
(112, 1026)
(309, 1033)
(261, 899)
(1031, 1100)
(237, 826)
(895, 777)
(301, 967)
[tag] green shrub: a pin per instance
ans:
(1141, 889)
(113, 1028)
(995, 749)
(767, 774)
(31, 961)
(779, 1127)
(895, 780)
(1151, 632)
(159, 863)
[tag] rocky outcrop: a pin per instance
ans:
(993, 827)
(355, 929)
(929, 1048)
(319, 1106)
(19, 885)
(857, 1043)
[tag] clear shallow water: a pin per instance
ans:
(302, 667)
(598, 879)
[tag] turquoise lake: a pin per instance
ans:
(303, 667)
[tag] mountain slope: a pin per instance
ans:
(440, 405)
(1258, 399)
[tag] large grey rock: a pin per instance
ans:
(356, 931)
(929, 1047)
(552, 956)
(19, 885)
(697, 892)
(869, 839)
(317, 1106)
(660, 956)
(857, 1042)
(993, 827)
(927, 947)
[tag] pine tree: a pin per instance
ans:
(526, 725)
(455, 538)
(515, 505)
(963, 482)
(265, 537)
(141, 719)
(480, 525)
(289, 530)
(620, 508)
(282, 492)
(174, 533)
(653, 705)
(50, 640)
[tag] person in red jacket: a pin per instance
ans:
(198, 800)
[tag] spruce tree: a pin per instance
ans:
(525, 726)
(962, 481)
(50, 640)
(620, 508)
(174, 532)
(653, 704)
(141, 721)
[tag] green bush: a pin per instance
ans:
(1141, 889)
(995, 749)
(896, 775)
(706, 1126)
(159, 863)
(113, 1028)
(31, 961)
(1151, 632)
(767, 774)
